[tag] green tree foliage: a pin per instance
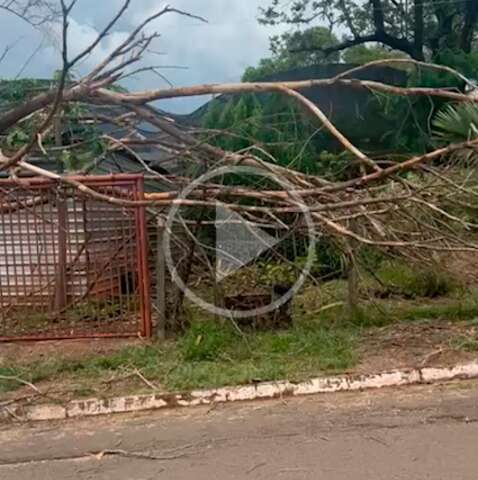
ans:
(466, 63)
(276, 124)
(290, 50)
(418, 28)
(212, 116)
(83, 139)
(409, 117)
(16, 91)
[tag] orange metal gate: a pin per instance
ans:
(72, 266)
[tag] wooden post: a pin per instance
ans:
(160, 281)
(352, 284)
(352, 276)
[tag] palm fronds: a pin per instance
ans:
(456, 123)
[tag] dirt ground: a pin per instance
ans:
(381, 349)
(27, 352)
(413, 345)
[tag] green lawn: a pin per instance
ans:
(214, 354)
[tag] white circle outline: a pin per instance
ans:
(214, 309)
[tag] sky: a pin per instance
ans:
(217, 51)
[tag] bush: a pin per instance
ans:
(431, 284)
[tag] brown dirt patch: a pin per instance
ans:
(463, 266)
(413, 345)
(27, 352)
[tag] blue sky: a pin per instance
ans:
(218, 51)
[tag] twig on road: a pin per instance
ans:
(255, 467)
(147, 456)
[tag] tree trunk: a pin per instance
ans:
(418, 30)
(471, 17)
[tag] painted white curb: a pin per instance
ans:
(266, 390)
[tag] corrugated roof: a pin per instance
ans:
(121, 160)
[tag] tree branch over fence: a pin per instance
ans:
(378, 196)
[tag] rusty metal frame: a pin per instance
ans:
(143, 274)
(143, 282)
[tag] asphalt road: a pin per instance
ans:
(415, 433)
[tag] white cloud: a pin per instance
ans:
(218, 51)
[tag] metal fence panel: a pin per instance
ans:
(72, 266)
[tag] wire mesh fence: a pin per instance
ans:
(72, 266)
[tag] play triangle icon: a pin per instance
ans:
(238, 242)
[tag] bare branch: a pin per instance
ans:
(22, 152)
(101, 35)
(34, 12)
(315, 110)
(393, 211)
(141, 98)
(125, 46)
(407, 61)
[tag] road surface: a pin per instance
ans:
(415, 433)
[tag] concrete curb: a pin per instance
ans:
(266, 390)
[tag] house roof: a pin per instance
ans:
(143, 154)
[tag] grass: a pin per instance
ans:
(212, 354)
(396, 293)
(393, 278)
(208, 355)
(466, 344)
(381, 313)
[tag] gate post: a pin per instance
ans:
(60, 299)
(143, 271)
(160, 281)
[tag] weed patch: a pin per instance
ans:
(206, 340)
(403, 280)
(208, 355)
(466, 343)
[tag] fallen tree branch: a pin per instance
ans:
(407, 61)
(141, 98)
(316, 111)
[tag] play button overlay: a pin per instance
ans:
(238, 240)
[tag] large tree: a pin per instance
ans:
(285, 55)
(419, 28)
